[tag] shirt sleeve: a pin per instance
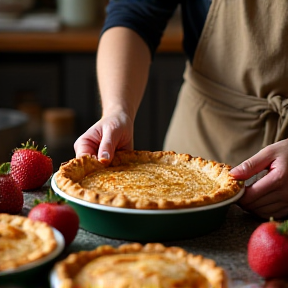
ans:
(148, 18)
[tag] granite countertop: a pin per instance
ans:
(227, 245)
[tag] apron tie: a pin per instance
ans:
(276, 119)
(273, 110)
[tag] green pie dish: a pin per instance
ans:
(148, 225)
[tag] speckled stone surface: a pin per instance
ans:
(227, 245)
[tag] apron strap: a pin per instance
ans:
(277, 122)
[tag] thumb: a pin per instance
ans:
(243, 171)
(251, 166)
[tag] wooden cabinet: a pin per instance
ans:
(159, 101)
(56, 70)
(69, 80)
(81, 94)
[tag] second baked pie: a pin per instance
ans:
(23, 241)
(138, 266)
(148, 180)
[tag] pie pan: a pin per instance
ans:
(22, 273)
(148, 225)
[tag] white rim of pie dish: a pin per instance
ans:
(59, 248)
(55, 282)
(142, 211)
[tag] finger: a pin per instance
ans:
(106, 149)
(276, 283)
(267, 199)
(88, 143)
(253, 165)
(85, 147)
(261, 188)
(254, 192)
(276, 210)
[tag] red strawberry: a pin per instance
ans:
(11, 196)
(30, 167)
(59, 215)
(268, 249)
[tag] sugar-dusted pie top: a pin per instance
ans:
(148, 180)
(23, 241)
(135, 265)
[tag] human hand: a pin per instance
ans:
(110, 133)
(268, 197)
(276, 283)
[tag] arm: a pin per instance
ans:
(123, 62)
(122, 65)
(129, 39)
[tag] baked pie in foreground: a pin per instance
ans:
(148, 180)
(23, 241)
(138, 266)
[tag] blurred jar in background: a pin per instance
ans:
(29, 103)
(78, 13)
(59, 127)
(59, 134)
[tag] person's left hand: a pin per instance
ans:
(268, 197)
(276, 283)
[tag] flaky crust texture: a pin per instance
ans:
(13, 228)
(70, 175)
(67, 269)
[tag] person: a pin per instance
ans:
(232, 106)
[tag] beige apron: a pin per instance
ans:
(233, 101)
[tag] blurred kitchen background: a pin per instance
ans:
(48, 89)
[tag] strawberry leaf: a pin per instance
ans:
(32, 145)
(29, 145)
(5, 168)
(44, 150)
(282, 228)
(51, 197)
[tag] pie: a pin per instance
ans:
(148, 180)
(23, 241)
(137, 266)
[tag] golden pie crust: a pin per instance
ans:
(23, 241)
(136, 265)
(148, 180)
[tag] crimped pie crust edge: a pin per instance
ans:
(72, 172)
(41, 229)
(67, 269)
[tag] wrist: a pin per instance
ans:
(120, 110)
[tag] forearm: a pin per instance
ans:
(123, 62)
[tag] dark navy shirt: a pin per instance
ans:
(149, 19)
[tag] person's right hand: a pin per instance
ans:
(112, 132)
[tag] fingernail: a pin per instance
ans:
(233, 171)
(104, 158)
(82, 155)
(105, 155)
